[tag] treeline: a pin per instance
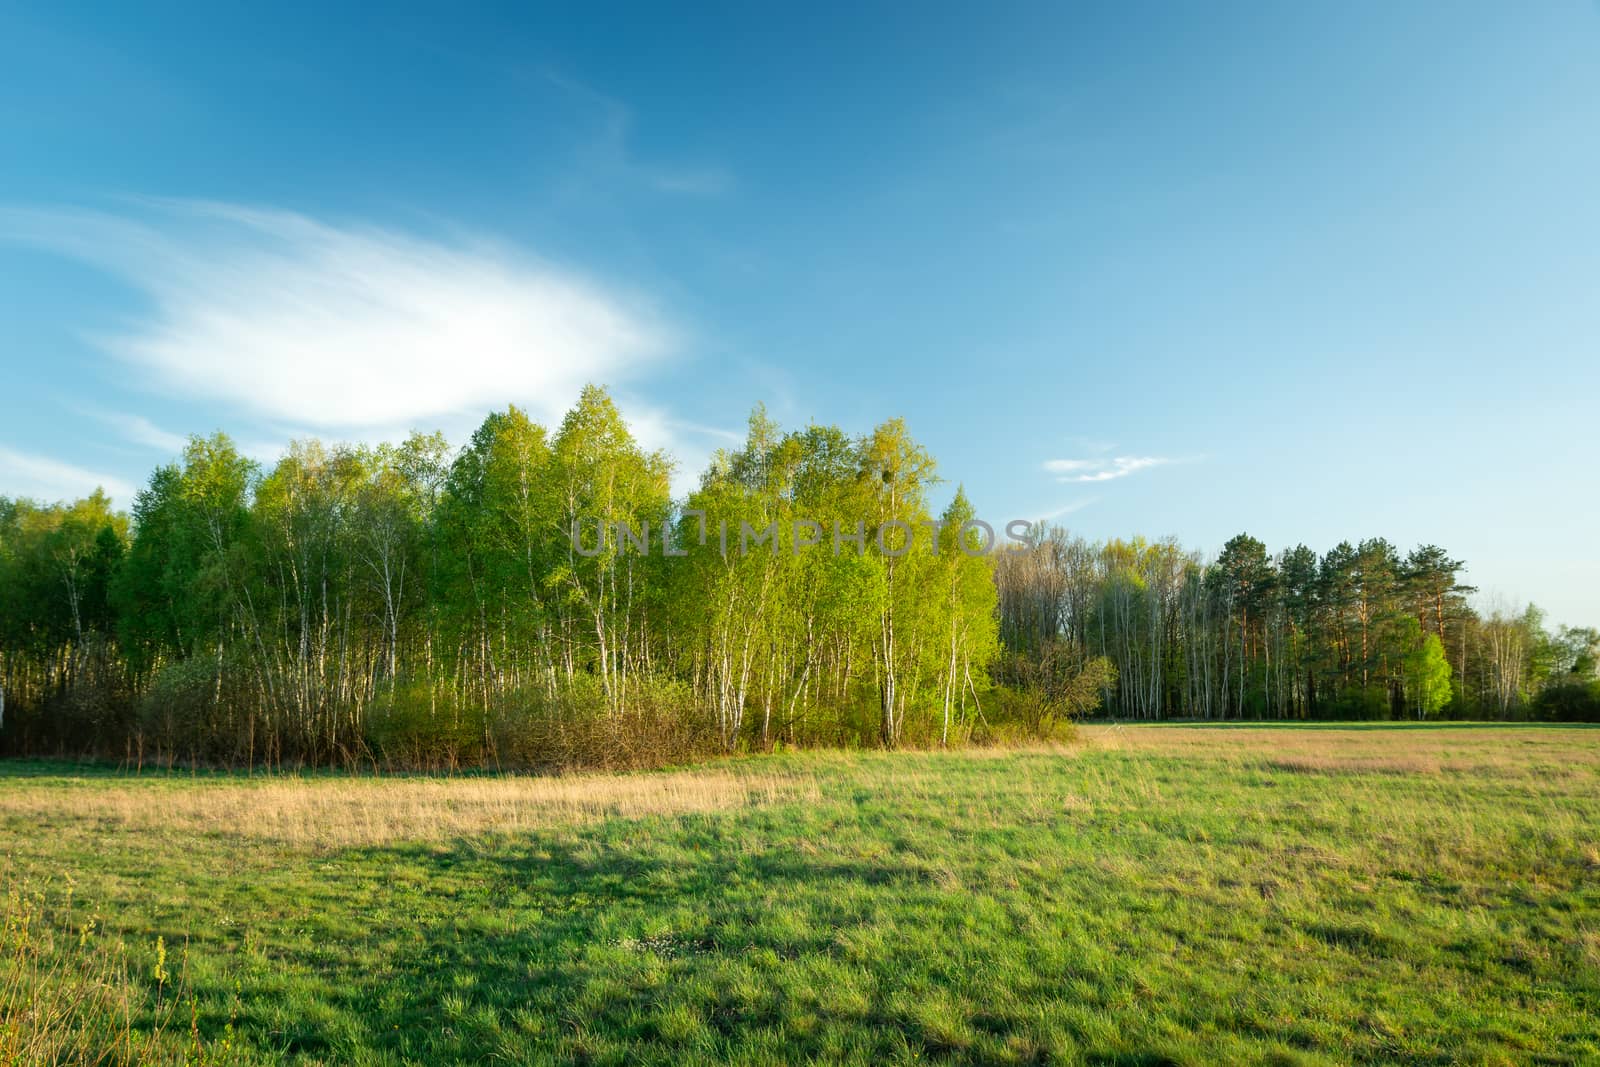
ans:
(402, 605)
(539, 598)
(1360, 632)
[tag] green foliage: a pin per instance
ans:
(1427, 674)
(1054, 685)
(400, 606)
(1569, 701)
(415, 724)
(397, 603)
(1577, 653)
(1253, 635)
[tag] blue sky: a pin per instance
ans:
(1312, 272)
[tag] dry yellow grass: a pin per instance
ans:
(1357, 750)
(337, 812)
(373, 811)
(1357, 764)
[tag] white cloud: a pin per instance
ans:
(141, 431)
(42, 478)
(345, 329)
(1067, 509)
(1102, 470)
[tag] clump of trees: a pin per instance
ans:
(404, 605)
(538, 597)
(1358, 632)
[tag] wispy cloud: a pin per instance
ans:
(43, 478)
(611, 148)
(341, 328)
(140, 430)
(706, 181)
(1102, 470)
(1066, 509)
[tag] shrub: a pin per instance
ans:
(415, 725)
(1572, 701)
(1052, 687)
(575, 726)
(205, 709)
(537, 728)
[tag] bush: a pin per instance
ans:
(1572, 701)
(1014, 716)
(534, 728)
(655, 726)
(203, 709)
(1051, 687)
(416, 726)
(1372, 703)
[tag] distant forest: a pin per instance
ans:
(401, 605)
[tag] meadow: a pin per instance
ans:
(1142, 895)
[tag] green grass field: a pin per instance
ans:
(1173, 894)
